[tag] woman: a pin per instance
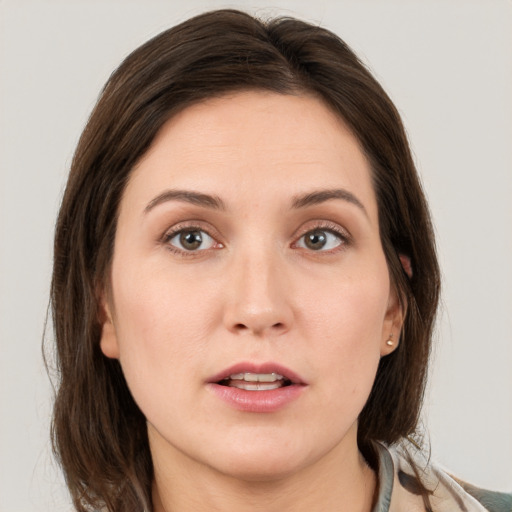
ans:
(245, 284)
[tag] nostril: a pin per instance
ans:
(278, 326)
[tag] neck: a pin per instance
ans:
(340, 481)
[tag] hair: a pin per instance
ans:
(98, 431)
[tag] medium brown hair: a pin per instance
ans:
(99, 433)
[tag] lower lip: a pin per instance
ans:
(257, 401)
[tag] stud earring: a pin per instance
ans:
(390, 342)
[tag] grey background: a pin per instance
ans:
(446, 64)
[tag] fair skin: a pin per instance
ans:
(226, 255)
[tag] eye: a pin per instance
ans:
(191, 240)
(320, 240)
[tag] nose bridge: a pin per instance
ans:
(259, 299)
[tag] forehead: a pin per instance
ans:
(259, 141)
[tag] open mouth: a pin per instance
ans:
(257, 387)
(255, 381)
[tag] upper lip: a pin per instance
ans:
(250, 367)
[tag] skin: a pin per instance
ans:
(256, 292)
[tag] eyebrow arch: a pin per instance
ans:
(186, 196)
(321, 196)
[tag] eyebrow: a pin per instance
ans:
(216, 203)
(321, 196)
(186, 196)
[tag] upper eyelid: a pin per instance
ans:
(326, 225)
(190, 225)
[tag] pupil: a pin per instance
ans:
(191, 239)
(316, 240)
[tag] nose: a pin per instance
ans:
(259, 296)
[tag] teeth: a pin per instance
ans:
(255, 381)
(256, 377)
(260, 386)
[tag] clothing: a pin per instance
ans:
(400, 490)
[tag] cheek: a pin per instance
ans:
(348, 308)
(157, 302)
(159, 330)
(345, 324)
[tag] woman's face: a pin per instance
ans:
(250, 297)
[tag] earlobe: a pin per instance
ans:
(108, 340)
(395, 316)
(389, 345)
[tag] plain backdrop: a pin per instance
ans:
(448, 67)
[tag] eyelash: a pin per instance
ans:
(325, 226)
(188, 228)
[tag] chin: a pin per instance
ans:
(261, 469)
(254, 459)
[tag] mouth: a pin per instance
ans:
(255, 381)
(257, 388)
(257, 377)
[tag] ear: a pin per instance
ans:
(406, 264)
(108, 340)
(393, 322)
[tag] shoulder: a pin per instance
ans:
(415, 483)
(491, 500)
